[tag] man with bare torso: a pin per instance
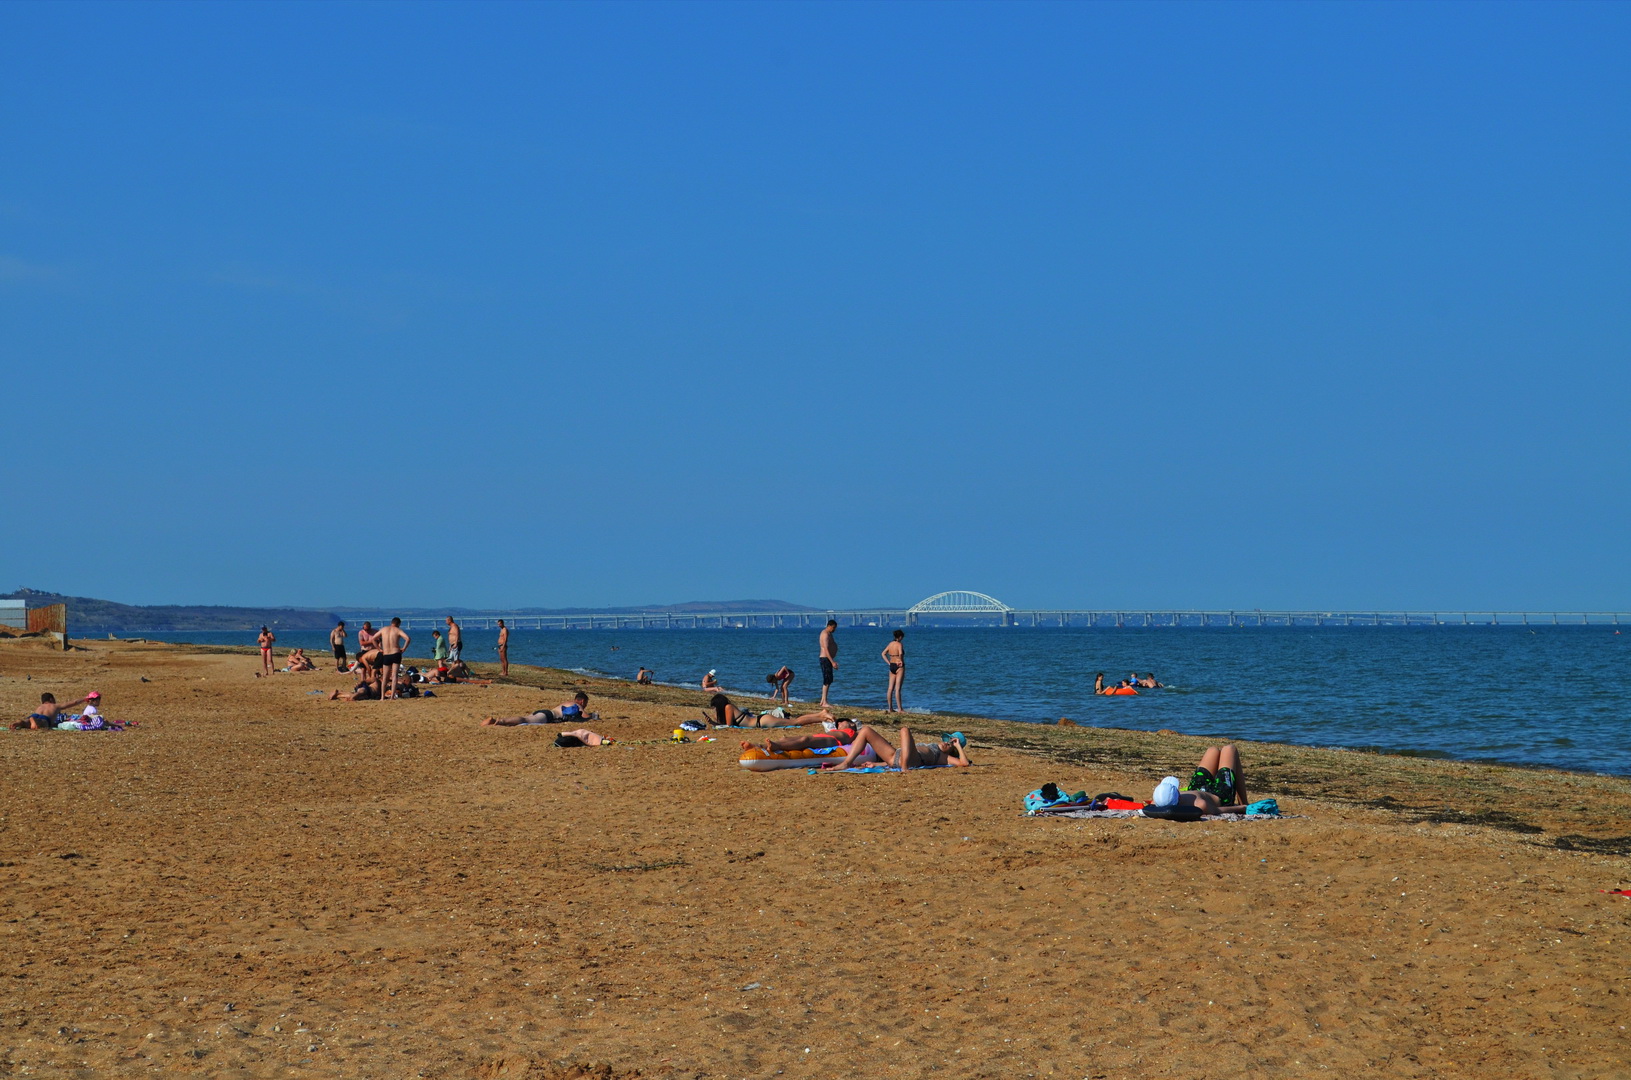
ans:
(503, 648)
(336, 638)
(829, 658)
(455, 640)
(393, 640)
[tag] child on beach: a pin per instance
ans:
(779, 681)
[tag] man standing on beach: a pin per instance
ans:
(503, 648)
(336, 638)
(392, 642)
(455, 641)
(829, 657)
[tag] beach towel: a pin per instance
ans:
(875, 769)
(1078, 812)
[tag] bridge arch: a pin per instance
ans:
(959, 602)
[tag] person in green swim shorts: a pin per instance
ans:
(1218, 783)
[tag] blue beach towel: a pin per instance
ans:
(875, 769)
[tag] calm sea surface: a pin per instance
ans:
(1552, 696)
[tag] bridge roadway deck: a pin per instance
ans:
(887, 617)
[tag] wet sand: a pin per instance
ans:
(260, 882)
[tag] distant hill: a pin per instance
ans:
(87, 615)
(90, 616)
(690, 607)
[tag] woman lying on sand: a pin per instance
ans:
(911, 755)
(572, 710)
(728, 715)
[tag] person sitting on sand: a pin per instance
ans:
(298, 661)
(48, 715)
(644, 678)
(779, 681)
(572, 710)
(710, 681)
(911, 755)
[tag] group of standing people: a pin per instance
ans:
(380, 653)
(894, 657)
(781, 680)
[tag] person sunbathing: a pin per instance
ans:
(457, 673)
(842, 735)
(911, 755)
(728, 715)
(298, 662)
(572, 710)
(1218, 784)
(582, 737)
(48, 715)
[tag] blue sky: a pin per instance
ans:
(1086, 305)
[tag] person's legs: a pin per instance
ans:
(504, 659)
(900, 685)
(864, 739)
(826, 678)
(908, 751)
(589, 738)
(1209, 760)
(1229, 758)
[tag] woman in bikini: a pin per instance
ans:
(266, 639)
(911, 755)
(894, 654)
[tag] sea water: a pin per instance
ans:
(1548, 696)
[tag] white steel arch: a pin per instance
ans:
(959, 602)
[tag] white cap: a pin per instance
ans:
(711, 671)
(1166, 793)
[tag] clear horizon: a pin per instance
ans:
(1093, 306)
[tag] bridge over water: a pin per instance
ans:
(965, 608)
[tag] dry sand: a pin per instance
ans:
(259, 882)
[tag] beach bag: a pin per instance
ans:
(1265, 807)
(1049, 795)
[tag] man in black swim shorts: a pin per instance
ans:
(829, 657)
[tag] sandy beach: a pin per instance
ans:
(259, 882)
